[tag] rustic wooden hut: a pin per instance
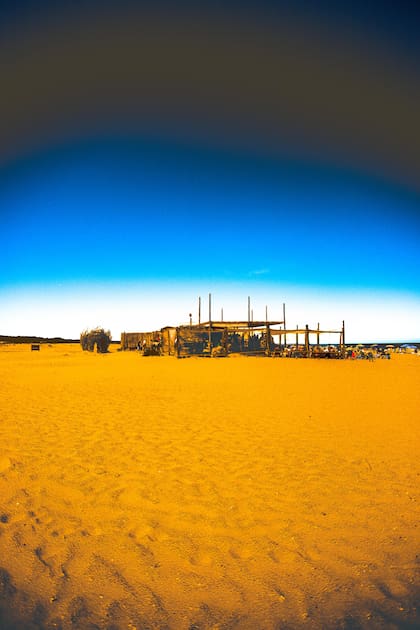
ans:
(149, 343)
(220, 338)
(132, 340)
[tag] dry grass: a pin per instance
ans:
(223, 493)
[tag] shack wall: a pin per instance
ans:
(168, 340)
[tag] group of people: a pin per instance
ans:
(369, 354)
(152, 348)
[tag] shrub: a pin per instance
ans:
(97, 336)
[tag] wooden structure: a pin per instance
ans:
(220, 338)
(132, 340)
(149, 343)
(307, 349)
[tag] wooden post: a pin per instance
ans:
(297, 337)
(284, 323)
(221, 313)
(317, 336)
(199, 310)
(268, 338)
(178, 343)
(266, 314)
(210, 323)
(343, 342)
(249, 310)
(307, 340)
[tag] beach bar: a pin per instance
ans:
(221, 338)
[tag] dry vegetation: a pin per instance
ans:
(257, 494)
(97, 338)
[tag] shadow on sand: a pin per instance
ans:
(19, 611)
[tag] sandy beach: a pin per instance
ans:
(197, 494)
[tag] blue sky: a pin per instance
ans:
(125, 210)
(168, 222)
(149, 157)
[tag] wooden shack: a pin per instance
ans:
(131, 340)
(141, 340)
(221, 338)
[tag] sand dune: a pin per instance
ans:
(246, 493)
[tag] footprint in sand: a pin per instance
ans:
(79, 612)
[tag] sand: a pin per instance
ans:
(246, 493)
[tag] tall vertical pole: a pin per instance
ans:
(210, 323)
(317, 335)
(249, 310)
(199, 310)
(307, 340)
(221, 313)
(267, 333)
(297, 337)
(284, 323)
(343, 342)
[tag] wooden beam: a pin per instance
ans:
(244, 325)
